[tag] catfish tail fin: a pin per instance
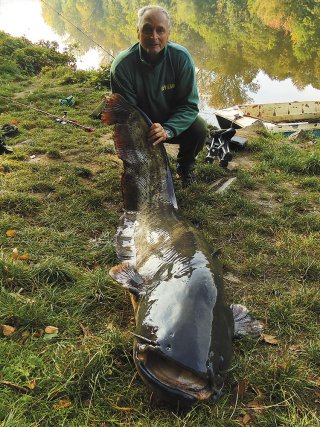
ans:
(116, 110)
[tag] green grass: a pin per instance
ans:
(64, 203)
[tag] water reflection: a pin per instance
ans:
(231, 42)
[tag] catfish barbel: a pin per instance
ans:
(184, 329)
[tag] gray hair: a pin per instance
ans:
(145, 9)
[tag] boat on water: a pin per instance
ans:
(281, 117)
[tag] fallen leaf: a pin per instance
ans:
(62, 404)
(8, 330)
(14, 121)
(11, 233)
(296, 348)
(246, 419)
(256, 406)
(315, 380)
(270, 339)
(239, 390)
(24, 256)
(15, 253)
(49, 337)
(38, 333)
(242, 388)
(51, 330)
(85, 330)
(31, 385)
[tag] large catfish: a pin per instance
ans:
(184, 329)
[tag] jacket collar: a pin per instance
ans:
(142, 57)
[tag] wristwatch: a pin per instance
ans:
(169, 133)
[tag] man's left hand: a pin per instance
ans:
(157, 134)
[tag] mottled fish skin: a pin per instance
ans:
(176, 284)
(147, 178)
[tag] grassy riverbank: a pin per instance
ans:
(59, 206)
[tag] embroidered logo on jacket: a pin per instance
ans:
(168, 87)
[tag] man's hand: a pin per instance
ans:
(157, 134)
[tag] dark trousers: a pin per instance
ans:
(191, 142)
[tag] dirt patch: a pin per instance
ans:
(25, 93)
(107, 139)
(241, 161)
(231, 278)
(293, 189)
(38, 158)
(266, 199)
(23, 143)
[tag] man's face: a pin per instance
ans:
(153, 32)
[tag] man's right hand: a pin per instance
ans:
(157, 134)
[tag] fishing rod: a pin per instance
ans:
(60, 119)
(79, 29)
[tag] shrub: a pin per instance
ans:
(8, 66)
(32, 59)
(9, 44)
(99, 79)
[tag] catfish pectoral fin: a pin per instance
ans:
(128, 277)
(244, 324)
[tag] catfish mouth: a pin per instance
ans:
(173, 382)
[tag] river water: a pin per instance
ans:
(244, 51)
(24, 18)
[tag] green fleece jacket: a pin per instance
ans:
(166, 92)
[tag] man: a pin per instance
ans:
(158, 76)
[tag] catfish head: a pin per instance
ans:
(184, 333)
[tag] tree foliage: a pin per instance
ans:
(233, 39)
(19, 56)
